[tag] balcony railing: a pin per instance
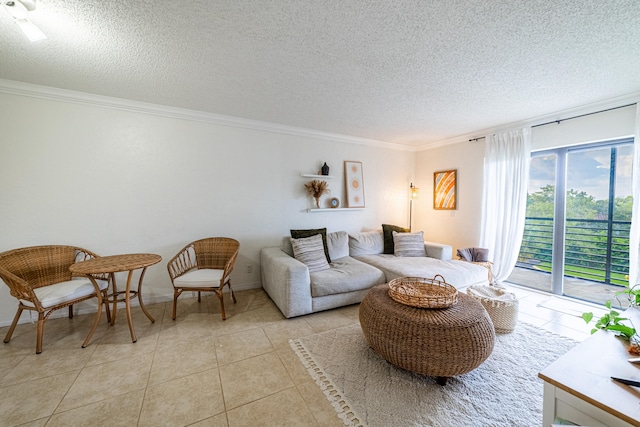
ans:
(595, 250)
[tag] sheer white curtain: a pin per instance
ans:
(634, 242)
(506, 176)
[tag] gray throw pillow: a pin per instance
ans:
(297, 234)
(310, 251)
(409, 244)
(474, 254)
(480, 254)
(387, 234)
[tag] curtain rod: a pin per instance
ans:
(568, 118)
(582, 115)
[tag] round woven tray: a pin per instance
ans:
(422, 292)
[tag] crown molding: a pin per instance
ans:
(63, 95)
(596, 107)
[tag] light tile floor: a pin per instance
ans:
(197, 370)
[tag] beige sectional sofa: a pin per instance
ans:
(357, 264)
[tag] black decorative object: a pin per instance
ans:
(325, 169)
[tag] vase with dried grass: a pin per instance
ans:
(316, 189)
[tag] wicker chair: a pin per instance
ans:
(204, 266)
(39, 277)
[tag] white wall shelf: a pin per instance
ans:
(308, 175)
(333, 209)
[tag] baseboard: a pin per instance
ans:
(87, 308)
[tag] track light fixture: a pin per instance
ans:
(19, 11)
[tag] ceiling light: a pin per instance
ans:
(16, 9)
(19, 10)
(30, 30)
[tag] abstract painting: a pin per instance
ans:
(445, 190)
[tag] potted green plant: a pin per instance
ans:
(613, 321)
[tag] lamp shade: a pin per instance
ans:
(415, 191)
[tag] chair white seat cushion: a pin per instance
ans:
(62, 292)
(199, 278)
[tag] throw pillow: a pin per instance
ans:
(366, 243)
(409, 244)
(298, 234)
(474, 254)
(465, 254)
(480, 254)
(387, 234)
(309, 251)
(338, 243)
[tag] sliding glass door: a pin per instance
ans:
(576, 239)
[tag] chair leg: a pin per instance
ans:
(39, 333)
(71, 311)
(233, 296)
(7, 338)
(220, 296)
(199, 296)
(176, 294)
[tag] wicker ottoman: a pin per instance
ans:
(435, 342)
(501, 305)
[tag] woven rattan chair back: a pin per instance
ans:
(25, 269)
(217, 253)
(39, 265)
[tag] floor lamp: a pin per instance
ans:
(412, 196)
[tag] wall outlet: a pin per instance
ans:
(249, 269)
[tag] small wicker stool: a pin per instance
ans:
(501, 305)
(436, 342)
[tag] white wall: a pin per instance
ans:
(461, 228)
(116, 181)
(613, 124)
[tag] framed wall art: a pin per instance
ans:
(354, 184)
(445, 190)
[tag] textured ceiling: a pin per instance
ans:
(402, 71)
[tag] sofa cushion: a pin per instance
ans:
(286, 246)
(310, 251)
(298, 234)
(366, 243)
(458, 273)
(387, 233)
(338, 243)
(345, 275)
(408, 244)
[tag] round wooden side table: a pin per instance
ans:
(117, 263)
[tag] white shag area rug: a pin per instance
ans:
(366, 390)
